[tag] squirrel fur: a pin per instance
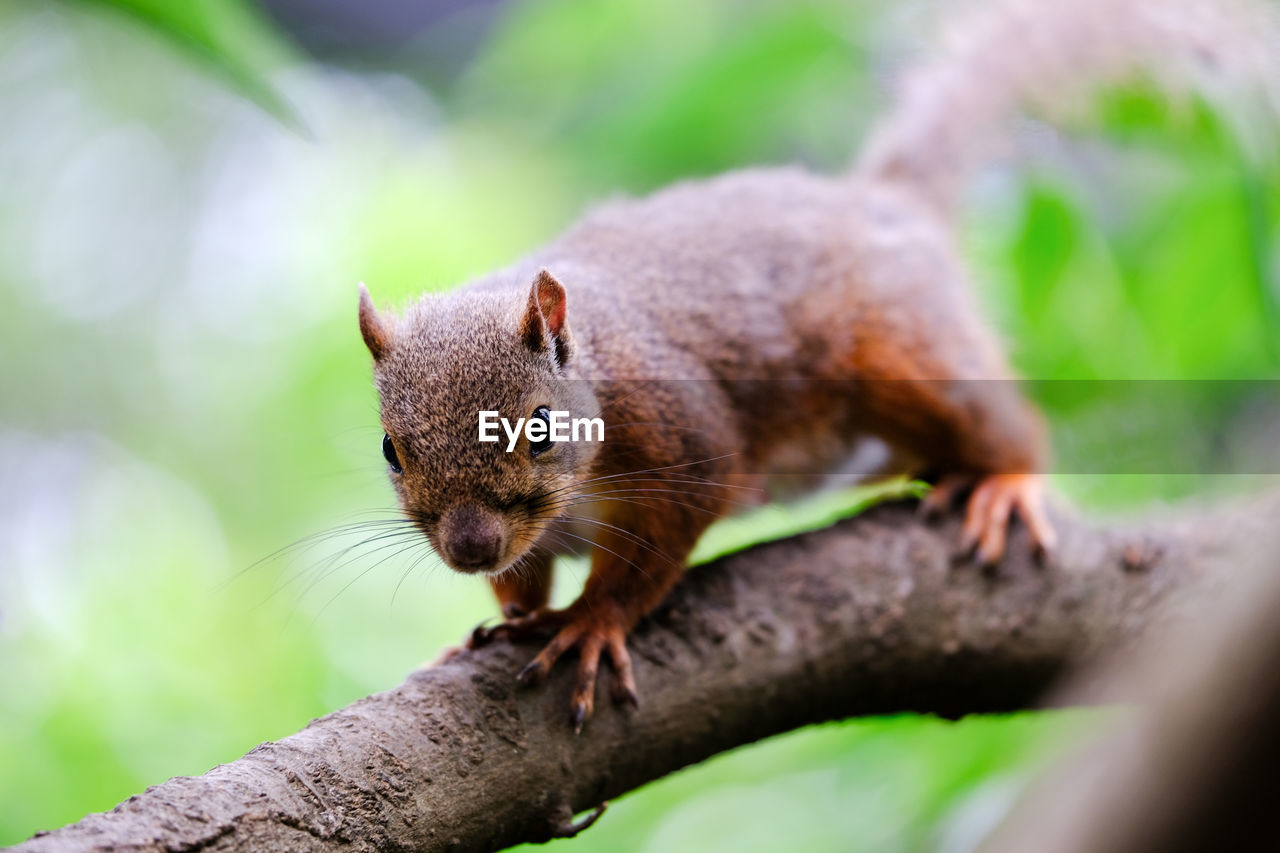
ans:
(732, 330)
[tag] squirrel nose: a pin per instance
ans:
(472, 537)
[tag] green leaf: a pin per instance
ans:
(778, 521)
(229, 36)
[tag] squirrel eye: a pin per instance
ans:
(537, 448)
(389, 453)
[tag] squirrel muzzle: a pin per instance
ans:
(472, 538)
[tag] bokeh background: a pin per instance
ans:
(188, 194)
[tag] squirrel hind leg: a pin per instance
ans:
(994, 500)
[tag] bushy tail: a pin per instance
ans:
(1005, 56)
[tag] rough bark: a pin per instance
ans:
(873, 615)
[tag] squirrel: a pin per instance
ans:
(735, 328)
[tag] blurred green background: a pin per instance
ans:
(190, 192)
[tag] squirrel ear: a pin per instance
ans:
(545, 318)
(377, 337)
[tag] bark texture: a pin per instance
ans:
(873, 615)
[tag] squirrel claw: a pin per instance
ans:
(480, 635)
(625, 695)
(531, 673)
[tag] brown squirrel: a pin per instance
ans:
(733, 329)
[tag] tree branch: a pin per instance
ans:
(873, 615)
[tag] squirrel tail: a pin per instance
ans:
(1002, 57)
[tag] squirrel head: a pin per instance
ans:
(436, 368)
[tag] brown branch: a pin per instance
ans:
(873, 615)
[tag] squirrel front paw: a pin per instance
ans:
(593, 632)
